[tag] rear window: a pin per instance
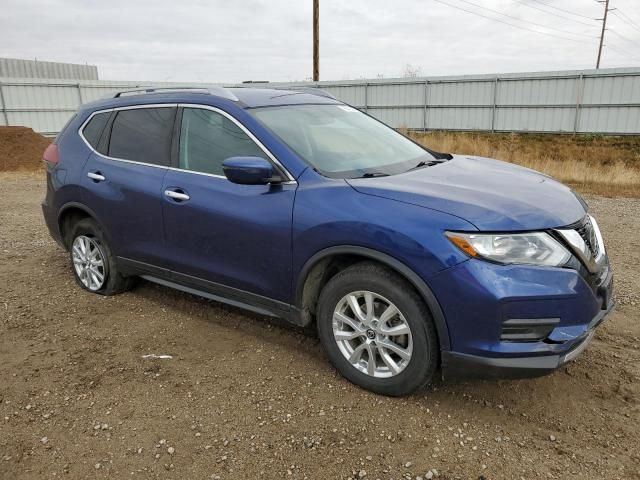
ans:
(93, 130)
(142, 135)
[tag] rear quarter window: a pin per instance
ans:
(93, 130)
(142, 135)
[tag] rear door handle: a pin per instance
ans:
(178, 196)
(96, 176)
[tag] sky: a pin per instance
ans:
(232, 41)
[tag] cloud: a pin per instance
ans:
(230, 41)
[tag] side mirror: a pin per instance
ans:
(249, 171)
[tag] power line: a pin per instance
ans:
(563, 10)
(618, 14)
(526, 21)
(522, 2)
(508, 23)
(624, 38)
(631, 20)
(625, 52)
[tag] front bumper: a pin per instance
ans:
(461, 365)
(493, 295)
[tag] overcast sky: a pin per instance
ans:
(229, 41)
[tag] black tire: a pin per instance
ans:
(376, 278)
(114, 282)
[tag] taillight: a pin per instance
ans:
(51, 155)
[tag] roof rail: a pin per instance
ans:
(310, 90)
(214, 90)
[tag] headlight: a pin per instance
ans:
(536, 248)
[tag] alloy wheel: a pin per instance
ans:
(372, 334)
(88, 262)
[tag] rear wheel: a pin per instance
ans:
(93, 263)
(377, 331)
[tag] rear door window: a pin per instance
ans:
(143, 135)
(93, 130)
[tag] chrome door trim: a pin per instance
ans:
(246, 131)
(113, 109)
(291, 180)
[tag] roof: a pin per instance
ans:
(240, 96)
(263, 97)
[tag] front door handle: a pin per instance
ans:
(179, 196)
(96, 176)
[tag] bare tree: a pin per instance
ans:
(411, 71)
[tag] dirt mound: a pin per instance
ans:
(21, 148)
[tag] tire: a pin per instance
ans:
(385, 287)
(102, 277)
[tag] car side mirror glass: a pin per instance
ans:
(249, 171)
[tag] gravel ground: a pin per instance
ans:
(245, 397)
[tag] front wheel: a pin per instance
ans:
(377, 331)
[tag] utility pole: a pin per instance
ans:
(316, 40)
(604, 27)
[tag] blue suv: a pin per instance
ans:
(292, 204)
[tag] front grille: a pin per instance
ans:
(588, 234)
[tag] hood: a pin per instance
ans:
(492, 195)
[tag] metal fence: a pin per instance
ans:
(603, 101)
(17, 67)
(46, 105)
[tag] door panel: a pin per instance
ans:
(128, 204)
(235, 235)
(123, 183)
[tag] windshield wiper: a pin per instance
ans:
(425, 163)
(373, 174)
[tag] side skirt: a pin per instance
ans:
(211, 290)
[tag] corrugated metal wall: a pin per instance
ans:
(46, 105)
(590, 101)
(603, 101)
(15, 67)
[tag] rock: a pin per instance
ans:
(97, 466)
(44, 440)
(362, 473)
(429, 475)
(171, 450)
(552, 438)
(408, 465)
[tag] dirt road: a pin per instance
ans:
(244, 397)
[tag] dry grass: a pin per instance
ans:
(607, 166)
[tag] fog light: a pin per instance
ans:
(527, 329)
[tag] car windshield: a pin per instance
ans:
(341, 142)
